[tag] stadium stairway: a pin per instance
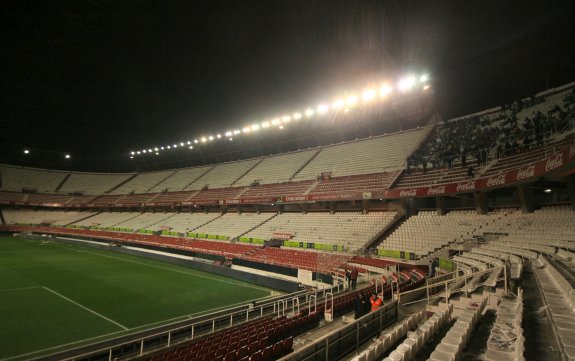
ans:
(384, 233)
(256, 226)
(161, 181)
(559, 296)
(305, 164)
(246, 172)
(188, 186)
(62, 183)
(79, 220)
(121, 184)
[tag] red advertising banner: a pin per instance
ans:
(267, 200)
(282, 235)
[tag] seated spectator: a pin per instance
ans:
(470, 172)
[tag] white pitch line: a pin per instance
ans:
(20, 289)
(85, 308)
(186, 273)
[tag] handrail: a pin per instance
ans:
(190, 329)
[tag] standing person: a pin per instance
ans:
(354, 278)
(348, 278)
(375, 302)
(360, 305)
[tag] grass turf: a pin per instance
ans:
(53, 294)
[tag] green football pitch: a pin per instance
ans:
(55, 295)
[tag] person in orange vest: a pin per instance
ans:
(375, 302)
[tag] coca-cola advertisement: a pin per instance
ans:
(533, 170)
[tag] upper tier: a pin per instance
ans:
(375, 155)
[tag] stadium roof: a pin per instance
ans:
(96, 79)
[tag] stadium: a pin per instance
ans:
(369, 223)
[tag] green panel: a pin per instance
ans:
(258, 240)
(201, 235)
(446, 264)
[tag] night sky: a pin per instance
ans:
(100, 78)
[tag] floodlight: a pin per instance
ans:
(168, 147)
(286, 118)
(406, 83)
(281, 126)
(162, 148)
(157, 153)
(297, 116)
(219, 136)
(144, 151)
(211, 138)
(351, 100)
(384, 90)
(196, 141)
(426, 86)
(255, 127)
(149, 150)
(547, 190)
(246, 129)
(156, 149)
(138, 152)
(175, 145)
(337, 104)
(228, 133)
(182, 144)
(191, 147)
(368, 95)
(266, 124)
(309, 112)
(237, 131)
(132, 153)
(189, 142)
(131, 157)
(67, 156)
(231, 139)
(322, 108)
(424, 78)
(203, 139)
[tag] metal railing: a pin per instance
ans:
(337, 344)
(167, 335)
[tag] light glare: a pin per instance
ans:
(368, 95)
(322, 108)
(406, 83)
(309, 112)
(385, 90)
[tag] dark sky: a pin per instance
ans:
(99, 78)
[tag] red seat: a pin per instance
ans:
(268, 353)
(253, 347)
(263, 342)
(257, 356)
(277, 349)
(242, 352)
(287, 345)
(230, 356)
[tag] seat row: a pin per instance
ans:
(415, 341)
(453, 343)
(382, 344)
(506, 341)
